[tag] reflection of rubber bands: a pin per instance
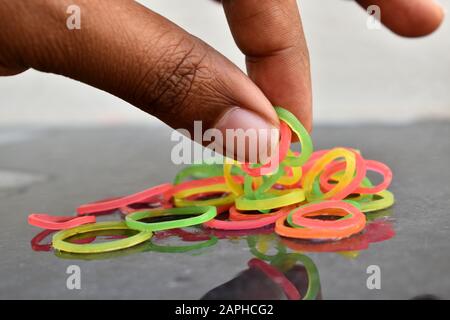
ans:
(302, 134)
(246, 224)
(203, 214)
(355, 171)
(318, 229)
(46, 221)
(252, 242)
(124, 201)
(374, 232)
(181, 249)
(36, 241)
(274, 161)
(59, 243)
(277, 277)
(311, 270)
(371, 165)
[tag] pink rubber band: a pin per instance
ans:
(246, 224)
(300, 216)
(49, 222)
(124, 201)
(371, 165)
(283, 148)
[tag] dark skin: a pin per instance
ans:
(131, 52)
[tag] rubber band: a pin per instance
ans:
(274, 161)
(355, 171)
(124, 201)
(285, 198)
(277, 277)
(322, 231)
(236, 215)
(181, 201)
(371, 165)
(351, 216)
(301, 133)
(386, 200)
(246, 224)
(49, 222)
(204, 214)
(234, 186)
(59, 243)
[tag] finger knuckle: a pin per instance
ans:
(176, 78)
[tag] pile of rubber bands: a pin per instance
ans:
(319, 195)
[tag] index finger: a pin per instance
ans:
(270, 34)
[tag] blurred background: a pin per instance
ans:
(359, 75)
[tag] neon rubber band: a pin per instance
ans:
(302, 134)
(234, 186)
(386, 200)
(286, 198)
(371, 165)
(355, 171)
(236, 215)
(122, 202)
(274, 161)
(246, 224)
(181, 201)
(59, 243)
(351, 215)
(319, 232)
(49, 222)
(204, 214)
(277, 277)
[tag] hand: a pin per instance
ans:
(131, 52)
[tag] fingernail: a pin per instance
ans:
(247, 136)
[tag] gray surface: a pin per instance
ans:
(55, 170)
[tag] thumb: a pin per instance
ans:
(139, 56)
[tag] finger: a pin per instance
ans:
(139, 56)
(270, 34)
(408, 18)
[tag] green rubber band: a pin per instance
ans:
(386, 201)
(311, 270)
(302, 134)
(182, 249)
(205, 213)
(59, 242)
